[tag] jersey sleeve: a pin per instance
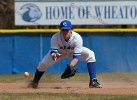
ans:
(54, 45)
(78, 48)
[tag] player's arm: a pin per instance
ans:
(73, 62)
(77, 53)
(70, 71)
(54, 49)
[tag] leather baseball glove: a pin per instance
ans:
(68, 73)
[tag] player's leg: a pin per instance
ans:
(43, 65)
(89, 56)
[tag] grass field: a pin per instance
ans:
(58, 96)
(54, 78)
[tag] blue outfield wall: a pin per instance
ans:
(115, 52)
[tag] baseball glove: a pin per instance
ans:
(68, 73)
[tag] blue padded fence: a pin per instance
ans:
(115, 52)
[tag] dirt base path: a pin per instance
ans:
(108, 88)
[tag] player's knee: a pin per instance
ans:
(91, 59)
(41, 67)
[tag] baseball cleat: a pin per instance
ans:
(94, 84)
(33, 84)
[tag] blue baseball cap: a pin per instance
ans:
(65, 24)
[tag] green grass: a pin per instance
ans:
(50, 78)
(106, 77)
(58, 96)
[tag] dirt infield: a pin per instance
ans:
(112, 83)
(108, 88)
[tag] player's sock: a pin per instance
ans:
(92, 70)
(37, 76)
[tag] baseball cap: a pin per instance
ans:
(65, 24)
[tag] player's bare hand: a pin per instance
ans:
(55, 57)
(58, 55)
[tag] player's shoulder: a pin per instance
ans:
(56, 35)
(76, 35)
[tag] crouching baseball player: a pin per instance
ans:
(67, 44)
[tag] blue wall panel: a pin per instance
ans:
(6, 54)
(26, 53)
(115, 52)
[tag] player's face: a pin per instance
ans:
(66, 33)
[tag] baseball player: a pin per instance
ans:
(67, 44)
